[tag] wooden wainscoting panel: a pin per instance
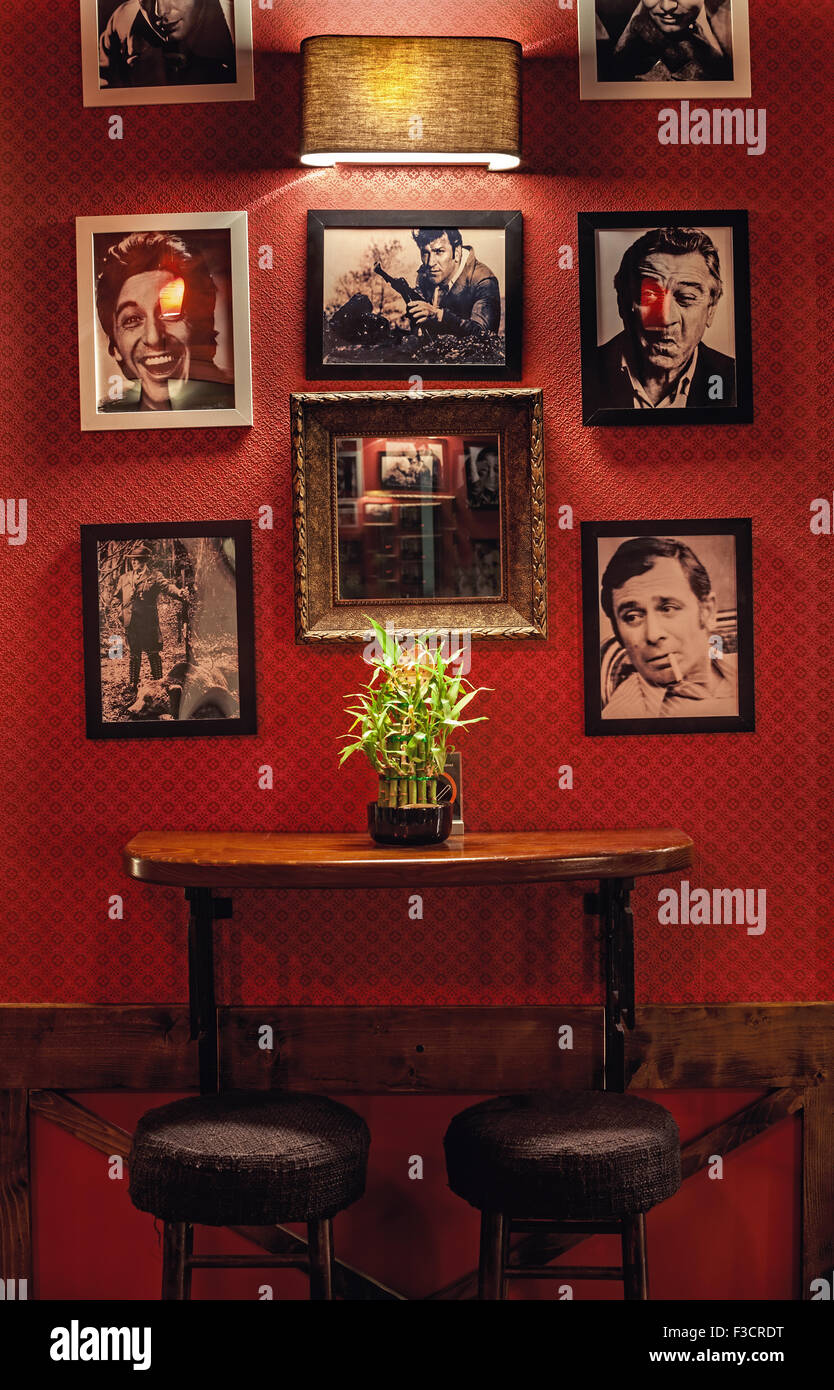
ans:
(730, 1046)
(97, 1047)
(423, 1050)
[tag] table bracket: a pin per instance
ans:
(204, 911)
(613, 903)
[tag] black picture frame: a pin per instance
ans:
(319, 222)
(595, 413)
(96, 725)
(595, 657)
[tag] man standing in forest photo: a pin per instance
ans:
(136, 594)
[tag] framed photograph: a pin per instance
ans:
(482, 476)
(668, 626)
(665, 318)
(409, 467)
(453, 561)
(438, 294)
(654, 50)
(163, 321)
(160, 52)
(169, 648)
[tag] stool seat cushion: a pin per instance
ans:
(571, 1155)
(248, 1158)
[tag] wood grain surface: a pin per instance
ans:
(248, 860)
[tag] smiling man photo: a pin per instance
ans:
(668, 286)
(661, 604)
(155, 300)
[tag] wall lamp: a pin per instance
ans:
(380, 100)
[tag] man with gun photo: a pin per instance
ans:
(455, 293)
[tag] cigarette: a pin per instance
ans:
(676, 670)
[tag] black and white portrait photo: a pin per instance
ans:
(393, 291)
(163, 315)
(408, 467)
(482, 473)
(168, 629)
(665, 318)
(152, 52)
(641, 49)
(668, 626)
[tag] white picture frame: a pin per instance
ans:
(242, 89)
(105, 403)
(592, 88)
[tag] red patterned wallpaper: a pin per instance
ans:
(758, 806)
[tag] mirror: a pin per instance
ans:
(418, 518)
(423, 512)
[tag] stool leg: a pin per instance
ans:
(174, 1246)
(635, 1262)
(491, 1283)
(188, 1252)
(320, 1246)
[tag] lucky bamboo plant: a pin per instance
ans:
(404, 717)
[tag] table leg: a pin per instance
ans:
(618, 947)
(201, 993)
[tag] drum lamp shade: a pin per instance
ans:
(382, 100)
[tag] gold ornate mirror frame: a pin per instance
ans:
(514, 416)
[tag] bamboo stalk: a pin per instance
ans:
(402, 791)
(431, 791)
(412, 791)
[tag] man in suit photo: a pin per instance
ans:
(668, 287)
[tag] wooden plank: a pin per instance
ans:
(348, 1282)
(741, 1127)
(817, 1261)
(423, 1050)
(730, 1046)
(683, 1046)
(84, 1124)
(15, 1214)
(203, 859)
(106, 1047)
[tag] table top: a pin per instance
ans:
(232, 859)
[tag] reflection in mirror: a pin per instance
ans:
(419, 518)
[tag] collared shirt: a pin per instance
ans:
(676, 399)
(636, 698)
(446, 285)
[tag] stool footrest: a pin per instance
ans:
(565, 1272)
(248, 1262)
(600, 1228)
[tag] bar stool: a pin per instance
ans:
(581, 1162)
(246, 1158)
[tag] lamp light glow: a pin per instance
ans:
(382, 100)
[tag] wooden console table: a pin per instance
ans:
(201, 862)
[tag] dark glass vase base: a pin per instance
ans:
(409, 825)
